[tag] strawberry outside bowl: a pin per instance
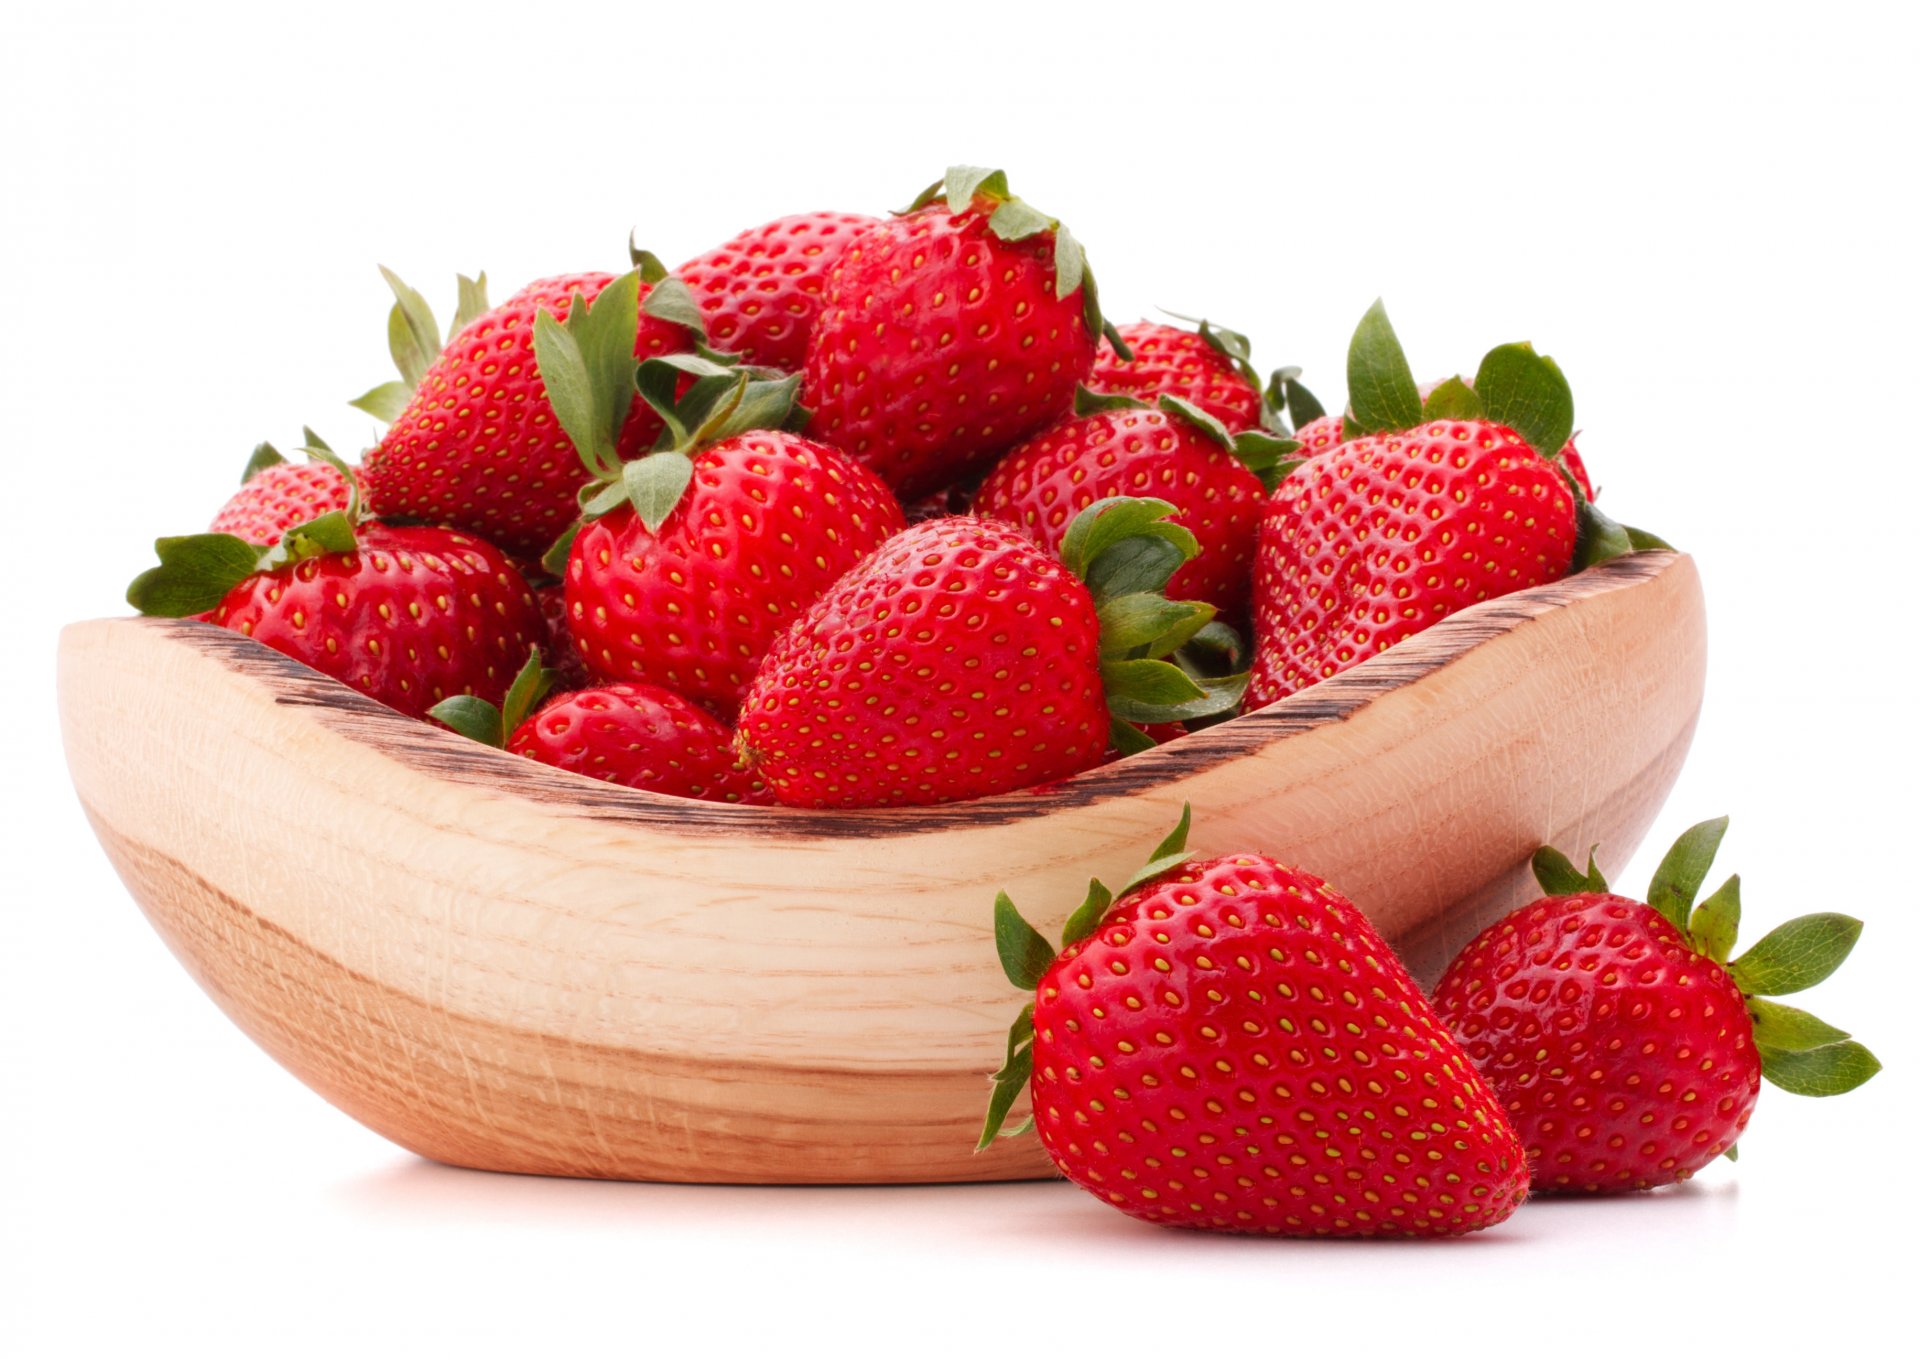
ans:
(501, 965)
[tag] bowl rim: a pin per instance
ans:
(443, 754)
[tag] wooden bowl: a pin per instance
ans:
(500, 965)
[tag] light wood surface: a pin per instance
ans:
(501, 965)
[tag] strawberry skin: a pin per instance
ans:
(639, 736)
(1626, 1059)
(958, 660)
(769, 520)
(939, 344)
(478, 446)
(761, 291)
(276, 498)
(1383, 536)
(1235, 1048)
(409, 617)
(1317, 436)
(1169, 361)
(1043, 483)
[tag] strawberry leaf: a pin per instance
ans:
(671, 300)
(526, 691)
(1558, 877)
(1782, 1028)
(1380, 384)
(1715, 922)
(1010, 1080)
(1452, 400)
(1025, 955)
(471, 717)
(385, 403)
(413, 336)
(1176, 839)
(265, 455)
(1086, 401)
(1830, 1070)
(1527, 393)
(648, 265)
(1086, 916)
(554, 559)
(654, 484)
(1206, 423)
(606, 331)
(1677, 880)
(1801, 953)
(195, 573)
(1127, 739)
(1144, 619)
(1285, 392)
(1152, 691)
(472, 303)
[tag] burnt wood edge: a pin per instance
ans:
(441, 754)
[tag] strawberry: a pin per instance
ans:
(477, 447)
(408, 616)
(1210, 368)
(1114, 446)
(1231, 1046)
(761, 291)
(570, 671)
(949, 333)
(275, 495)
(635, 735)
(691, 560)
(1627, 1049)
(1426, 508)
(962, 659)
(1324, 431)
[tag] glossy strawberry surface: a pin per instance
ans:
(1043, 483)
(960, 659)
(1624, 1058)
(761, 291)
(1379, 538)
(1235, 1048)
(409, 617)
(939, 344)
(639, 736)
(768, 522)
(479, 447)
(276, 498)
(1169, 361)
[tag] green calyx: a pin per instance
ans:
(1025, 956)
(1799, 1053)
(968, 188)
(1263, 454)
(413, 339)
(478, 720)
(198, 570)
(1287, 401)
(588, 368)
(1126, 550)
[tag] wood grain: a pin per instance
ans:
(501, 965)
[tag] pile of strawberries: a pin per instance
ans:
(1231, 1046)
(855, 512)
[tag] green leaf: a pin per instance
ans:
(413, 336)
(650, 266)
(1024, 954)
(1070, 272)
(1175, 841)
(195, 573)
(385, 403)
(654, 485)
(554, 559)
(1217, 696)
(1086, 916)
(527, 689)
(762, 405)
(1108, 329)
(606, 332)
(474, 718)
(1528, 393)
(1086, 401)
(330, 533)
(1266, 456)
(1143, 618)
(1558, 877)
(1677, 880)
(1207, 424)
(1452, 400)
(569, 384)
(1016, 219)
(1785, 1029)
(1642, 541)
(264, 456)
(964, 182)
(1380, 385)
(671, 300)
(1217, 649)
(1168, 855)
(473, 301)
(1010, 1080)
(1830, 1070)
(1715, 922)
(1801, 953)
(1732, 1153)
(1303, 407)
(1148, 683)
(1105, 524)
(1127, 739)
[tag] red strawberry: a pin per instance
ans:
(478, 446)
(961, 659)
(570, 671)
(1318, 435)
(1209, 368)
(640, 736)
(950, 333)
(1116, 447)
(1626, 1049)
(277, 494)
(693, 558)
(761, 291)
(1231, 1046)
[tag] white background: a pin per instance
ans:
(1706, 214)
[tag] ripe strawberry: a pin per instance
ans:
(1114, 446)
(478, 446)
(1231, 1046)
(692, 559)
(1427, 507)
(961, 659)
(408, 616)
(950, 333)
(1627, 1050)
(635, 735)
(275, 495)
(1210, 368)
(761, 291)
